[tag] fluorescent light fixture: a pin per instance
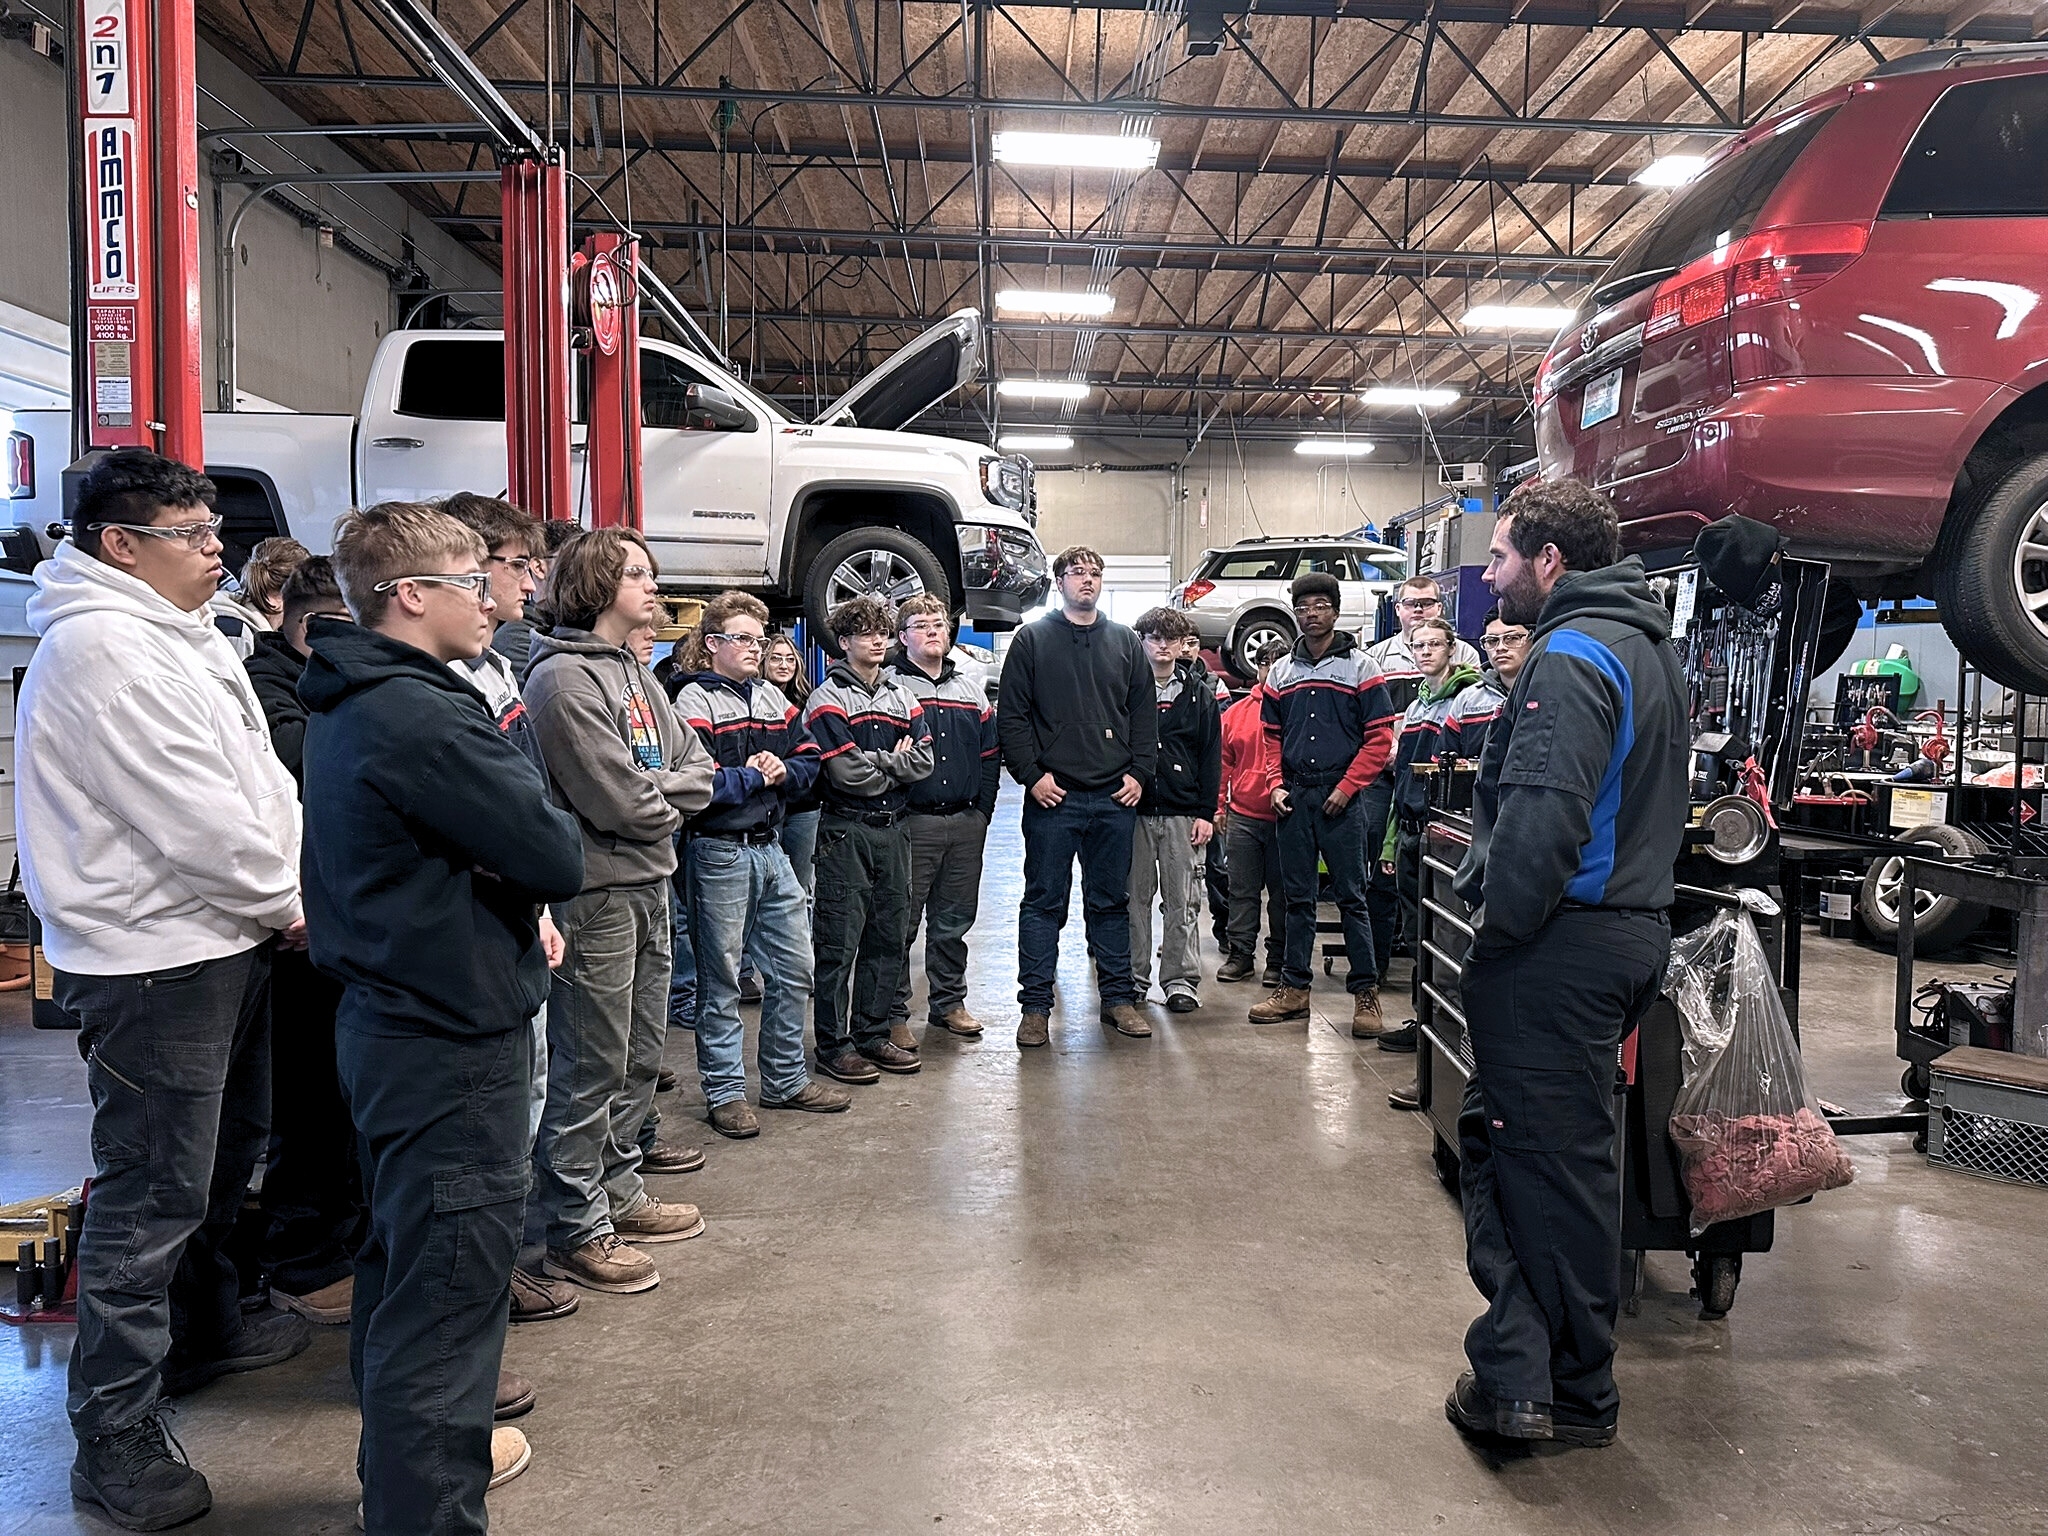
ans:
(1043, 389)
(1517, 317)
(1333, 447)
(1670, 170)
(1042, 301)
(1401, 394)
(1077, 151)
(1034, 442)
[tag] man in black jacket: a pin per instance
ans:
(1079, 731)
(312, 1187)
(1175, 820)
(1578, 815)
(430, 847)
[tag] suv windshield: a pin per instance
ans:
(1716, 210)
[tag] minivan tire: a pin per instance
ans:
(1250, 636)
(877, 549)
(1947, 920)
(1982, 584)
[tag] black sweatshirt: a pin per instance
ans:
(1582, 793)
(274, 669)
(1078, 703)
(429, 845)
(1190, 765)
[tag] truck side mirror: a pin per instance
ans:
(707, 408)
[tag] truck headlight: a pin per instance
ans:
(1004, 482)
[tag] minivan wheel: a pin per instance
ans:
(869, 562)
(1991, 579)
(1253, 635)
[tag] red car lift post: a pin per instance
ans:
(608, 286)
(135, 262)
(535, 210)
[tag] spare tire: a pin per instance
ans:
(1939, 921)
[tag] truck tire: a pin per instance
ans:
(1991, 577)
(1939, 922)
(1253, 631)
(872, 562)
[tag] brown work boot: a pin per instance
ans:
(509, 1455)
(1366, 1022)
(603, 1264)
(849, 1066)
(329, 1304)
(889, 1058)
(814, 1097)
(658, 1221)
(960, 1022)
(1285, 1003)
(1033, 1029)
(735, 1118)
(1125, 1019)
(515, 1396)
(901, 1037)
(539, 1300)
(671, 1157)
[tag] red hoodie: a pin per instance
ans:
(1251, 759)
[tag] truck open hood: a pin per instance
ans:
(942, 360)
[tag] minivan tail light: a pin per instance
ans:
(1194, 592)
(1544, 372)
(1783, 264)
(1681, 305)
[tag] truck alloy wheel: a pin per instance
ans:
(1939, 921)
(1991, 577)
(884, 563)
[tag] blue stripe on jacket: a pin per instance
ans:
(1596, 860)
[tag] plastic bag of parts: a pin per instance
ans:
(1750, 1137)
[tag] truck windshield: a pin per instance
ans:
(1717, 209)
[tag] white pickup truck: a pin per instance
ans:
(738, 493)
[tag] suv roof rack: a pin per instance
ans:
(1955, 58)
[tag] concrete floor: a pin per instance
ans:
(1201, 1283)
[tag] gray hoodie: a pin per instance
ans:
(616, 755)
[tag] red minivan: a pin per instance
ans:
(1838, 327)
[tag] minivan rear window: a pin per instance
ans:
(454, 380)
(1715, 210)
(1983, 153)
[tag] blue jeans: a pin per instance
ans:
(607, 1024)
(442, 1121)
(800, 842)
(1088, 825)
(746, 895)
(1306, 833)
(682, 986)
(178, 1065)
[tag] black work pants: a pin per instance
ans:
(1382, 899)
(178, 1065)
(1540, 1176)
(313, 1188)
(1254, 861)
(857, 931)
(446, 1157)
(1308, 836)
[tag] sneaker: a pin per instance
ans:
(735, 1118)
(1235, 968)
(1408, 1096)
(1285, 1003)
(1182, 1002)
(603, 1264)
(328, 1305)
(665, 1080)
(750, 986)
(681, 1020)
(671, 1157)
(901, 1037)
(1366, 1023)
(1402, 1039)
(539, 1300)
(1033, 1029)
(1125, 1019)
(515, 1396)
(133, 1476)
(658, 1221)
(1270, 976)
(814, 1097)
(887, 1055)
(509, 1455)
(267, 1338)
(958, 1021)
(849, 1066)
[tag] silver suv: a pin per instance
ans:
(1239, 600)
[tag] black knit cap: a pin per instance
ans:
(1318, 584)
(1739, 555)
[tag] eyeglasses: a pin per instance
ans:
(636, 573)
(744, 642)
(1316, 605)
(1419, 604)
(478, 582)
(523, 564)
(1502, 641)
(194, 535)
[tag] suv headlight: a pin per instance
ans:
(1006, 482)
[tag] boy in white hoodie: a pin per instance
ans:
(159, 838)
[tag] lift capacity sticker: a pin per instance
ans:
(1919, 807)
